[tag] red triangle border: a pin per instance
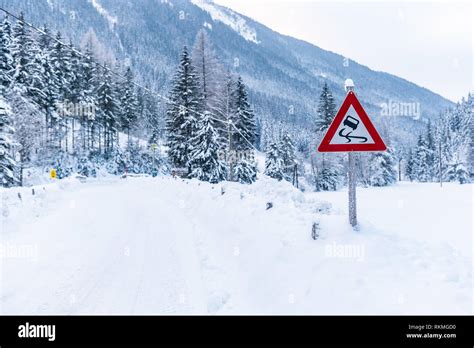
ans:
(325, 145)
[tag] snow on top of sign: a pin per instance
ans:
(348, 83)
(229, 18)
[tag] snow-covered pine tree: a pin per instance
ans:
(329, 173)
(60, 60)
(410, 164)
(50, 102)
(204, 161)
(327, 179)
(287, 151)
(421, 169)
(243, 119)
(382, 168)
(431, 146)
(242, 135)
(326, 109)
(245, 171)
(151, 117)
(27, 124)
(26, 89)
(182, 112)
(464, 134)
(457, 171)
(6, 60)
(20, 49)
(328, 176)
(7, 30)
(44, 40)
(7, 161)
(444, 144)
(37, 84)
(107, 117)
(75, 93)
(128, 109)
(74, 75)
(455, 133)
(456, 118)
(27, 77)
(69, 65)
(62, 71)
(470, 117)
(258, 133)
(141, 123)
(274, 162)
(88, 80)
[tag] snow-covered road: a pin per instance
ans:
(160, 245)
(103, 249)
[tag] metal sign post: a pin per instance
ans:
(351, 173)
(352, 190)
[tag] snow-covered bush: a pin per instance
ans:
(274, 162)
(328, 179)
(457, 171)
(245, 171)
(382, 169)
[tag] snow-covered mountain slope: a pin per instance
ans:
(228, 17)
(112, 20)
(283, 73)
(164, 245)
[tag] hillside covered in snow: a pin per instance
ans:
(284, 74)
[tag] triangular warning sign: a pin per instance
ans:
(351, 130)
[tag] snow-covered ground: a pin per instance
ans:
(164, 245)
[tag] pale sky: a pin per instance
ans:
(427, 42)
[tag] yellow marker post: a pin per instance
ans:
(52, 173)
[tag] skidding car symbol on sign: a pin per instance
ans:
(351, 130)
(352, 123)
